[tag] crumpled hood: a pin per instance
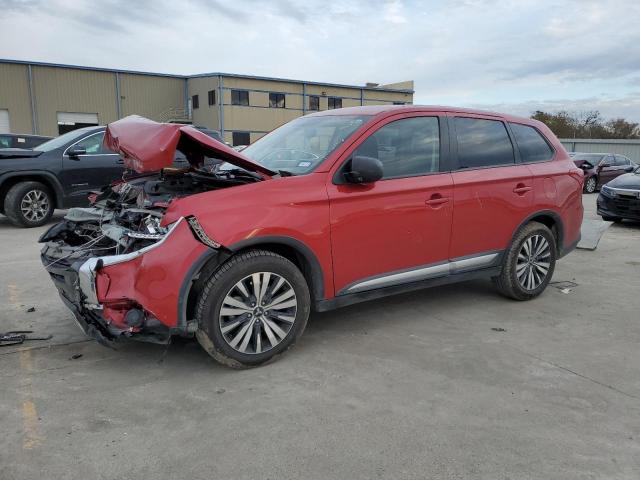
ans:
(628, 180)
(147, 146)
(18, 153)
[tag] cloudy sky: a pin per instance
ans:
(508, 55)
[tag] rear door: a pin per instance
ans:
(394, 230)
(492, 192)
(90, 171)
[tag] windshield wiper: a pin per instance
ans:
(286, 173)
(238, 172)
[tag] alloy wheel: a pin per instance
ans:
(258, 312)
(534, 260)
(590, 186)
(35, 205)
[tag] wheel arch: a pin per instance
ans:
(48, 179)
(292, 249)
(550, 219)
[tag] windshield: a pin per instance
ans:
(302, 144)
(59, 141)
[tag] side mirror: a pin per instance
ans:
(364, 170)
(75, 151)
(629, 168)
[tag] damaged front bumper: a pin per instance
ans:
(134, 295)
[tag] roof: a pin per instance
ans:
(388, 109)
(199, 75)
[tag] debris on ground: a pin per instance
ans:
(31, 309)
(18, 337)
(498, 329)
(75, 356)
(564, 286)
(220, 390)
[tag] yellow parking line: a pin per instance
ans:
(31, 436)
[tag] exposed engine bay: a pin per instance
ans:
(125, 217)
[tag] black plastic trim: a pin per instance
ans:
(350, 299)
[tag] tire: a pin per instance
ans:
(35, 197)
(612, 219)
(515, 280)
(590, 185)
(268, 333)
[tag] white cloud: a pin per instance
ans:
(460, 52)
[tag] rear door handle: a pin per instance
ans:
(436, 200)
(521, 189)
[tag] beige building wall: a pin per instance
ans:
(258, 119)
(150, 96)
(14, 96)
(113, 94)
(206, 115)
(71, 90)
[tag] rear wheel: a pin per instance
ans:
(252, 309)
(29, 204)
(529, 263)
(590, 185)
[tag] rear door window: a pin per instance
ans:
(533, 147)
(482, 143)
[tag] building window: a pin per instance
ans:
(240, 97)
(241, 138)
(276, 100)
(335, 102)
(195, 102)
(314, 102)
(212, 97)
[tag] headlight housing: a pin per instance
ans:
(607, 191)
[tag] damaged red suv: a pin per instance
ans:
(331, 209)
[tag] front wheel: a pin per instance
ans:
(590, 185)
(252, 309)
(529, 263)
(28, 204)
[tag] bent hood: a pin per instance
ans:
(147, 146)
(18, 153)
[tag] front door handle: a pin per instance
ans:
(436, 200)
(521, 189)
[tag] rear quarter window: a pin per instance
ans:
(531, 144)
(482, 143)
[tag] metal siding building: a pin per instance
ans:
(48, 99)
(628, 148)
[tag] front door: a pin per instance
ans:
(395, 230)
(92, 170)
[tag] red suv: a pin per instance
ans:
(328, 210)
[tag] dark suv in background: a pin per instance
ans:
(61, 173)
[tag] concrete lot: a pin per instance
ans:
(414, 386)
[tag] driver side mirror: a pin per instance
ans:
(629, 168)
(76, 151)
(364, 170)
